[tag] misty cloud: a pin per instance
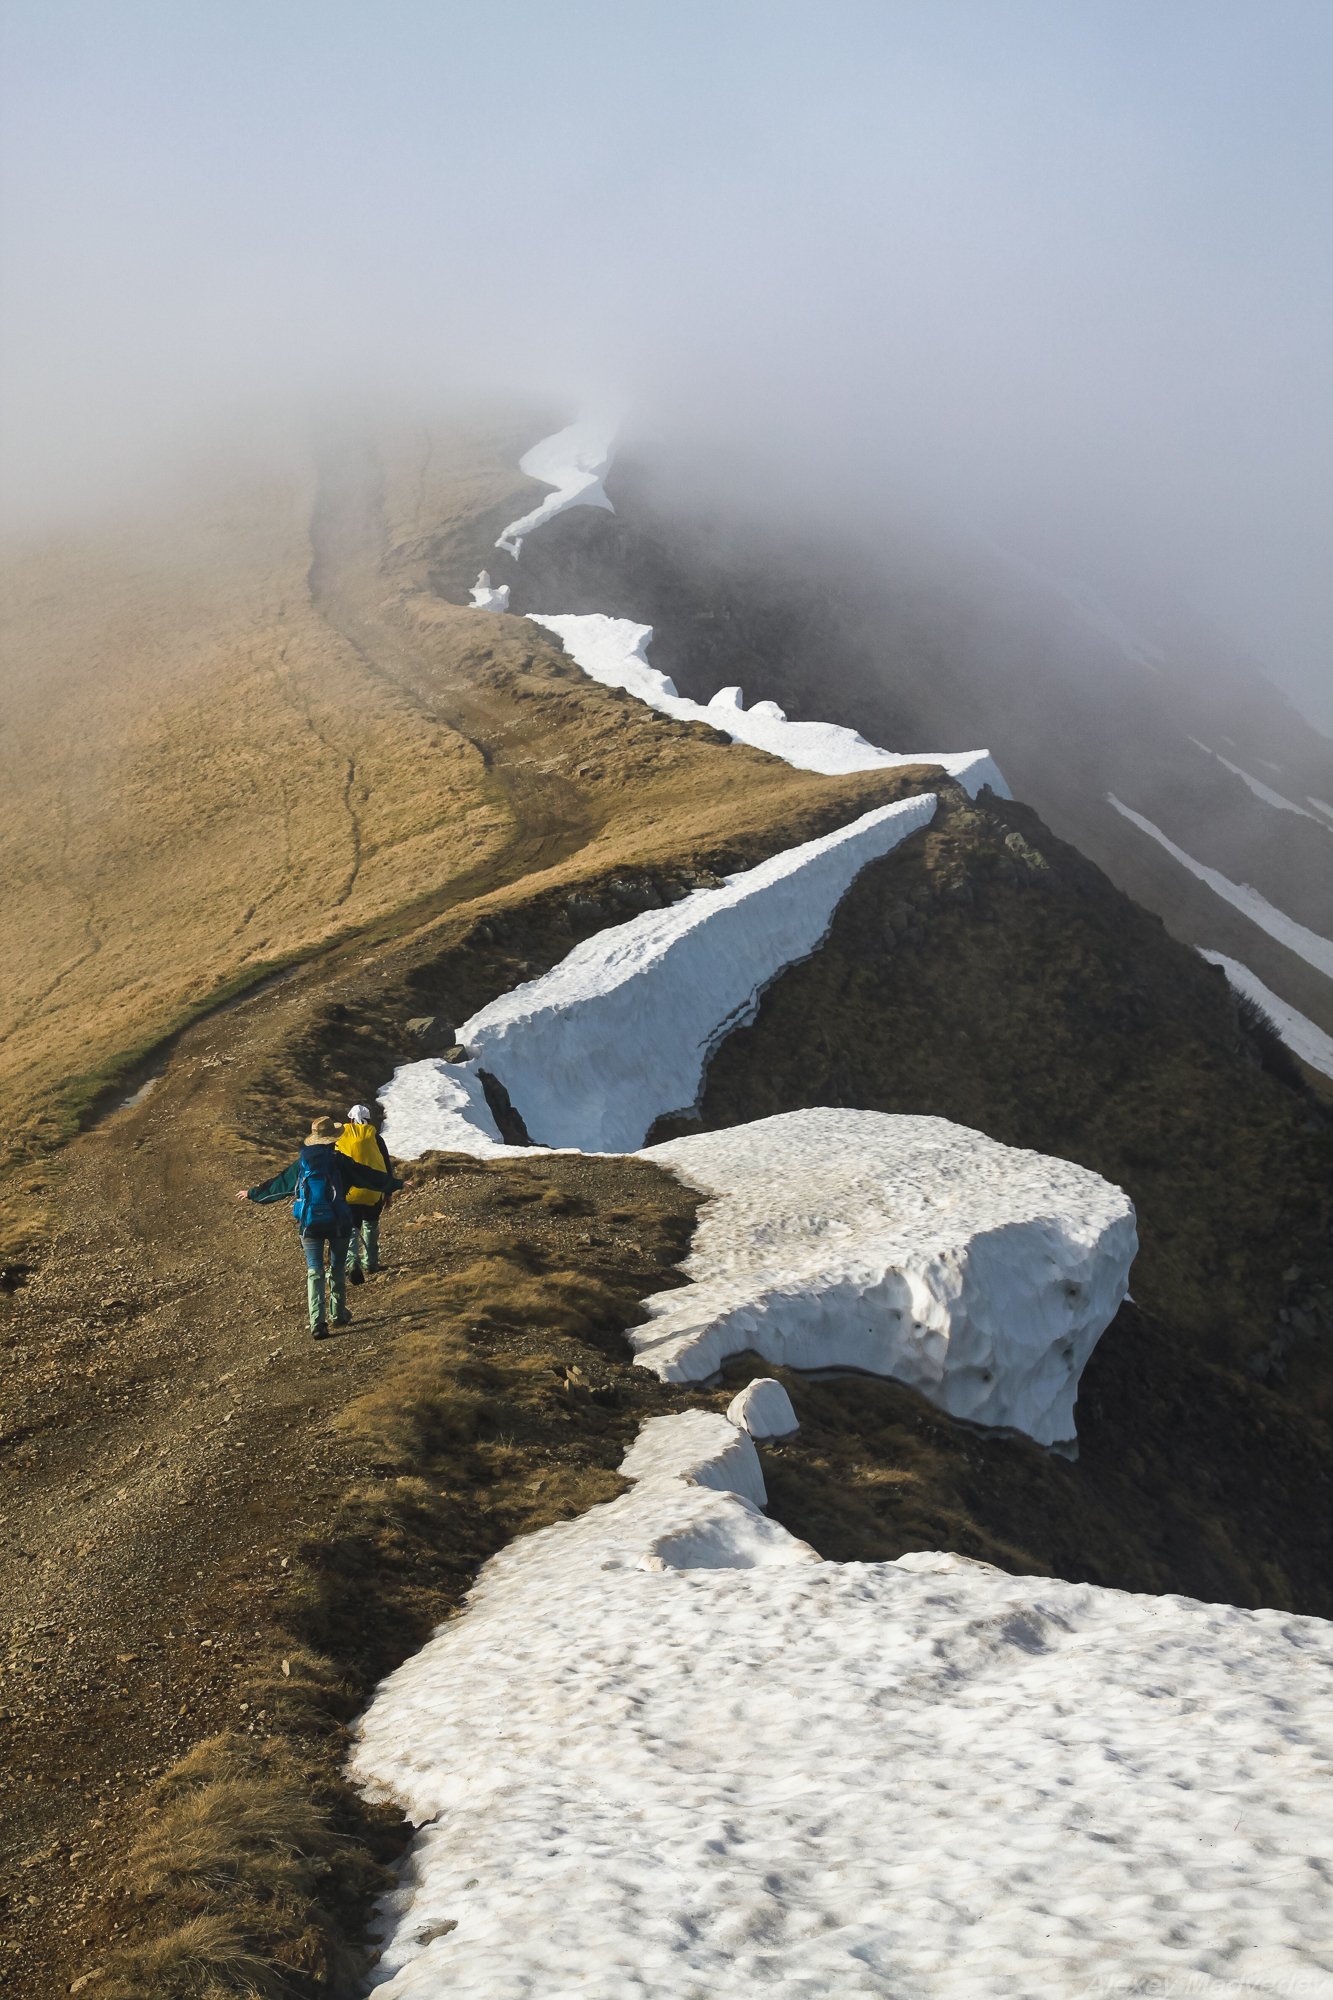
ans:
(1061, 272)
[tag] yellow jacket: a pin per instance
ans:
(362, 1143)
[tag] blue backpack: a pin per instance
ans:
(319, 1200)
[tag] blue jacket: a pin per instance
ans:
(344, 1174)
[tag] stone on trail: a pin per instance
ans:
(431, 1030)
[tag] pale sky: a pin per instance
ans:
(1062, 261)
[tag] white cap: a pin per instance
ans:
(360, 1114)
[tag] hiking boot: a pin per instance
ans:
(355, 1275)
(320, 1330)
(342, 1318)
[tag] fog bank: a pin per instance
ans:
(1060, 273)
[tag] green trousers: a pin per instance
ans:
(314, 1248)
(365, 1245)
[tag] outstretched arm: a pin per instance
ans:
(355, 1175)
(274, 1190)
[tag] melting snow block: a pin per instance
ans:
(487, 596)
(700, 1448)
(620, 1031)
(912, 1247)
(763, 1408)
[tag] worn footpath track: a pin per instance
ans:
(170, 1434)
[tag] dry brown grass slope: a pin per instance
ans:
(199, 778)
(245, 727)
(171, 1438)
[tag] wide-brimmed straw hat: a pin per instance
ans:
(322, 1130)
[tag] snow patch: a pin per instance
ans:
(614, 651)
(1322, 804)
(619, 1033)
(1299, 1033)
(437, 1106)
(1257, 785)
(806, 1778)
(1309, 945)
(979, 1275)
(702, 1449)
(574, 461)
(487, 596)
(763, 1408)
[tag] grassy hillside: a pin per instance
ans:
(200, 778)
(190, 1490)
(246, 729)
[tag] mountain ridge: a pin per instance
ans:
(488, 1391)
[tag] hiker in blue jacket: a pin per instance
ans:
(319, 1178)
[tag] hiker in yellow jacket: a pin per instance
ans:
(362, 1143)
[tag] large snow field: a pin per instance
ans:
(614, 651)
(1309, 945)
(574, 462)
(979, 1275)
(1297, 1030)
(619, 1032)
(666, 1753)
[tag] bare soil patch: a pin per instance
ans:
(231, 1531)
